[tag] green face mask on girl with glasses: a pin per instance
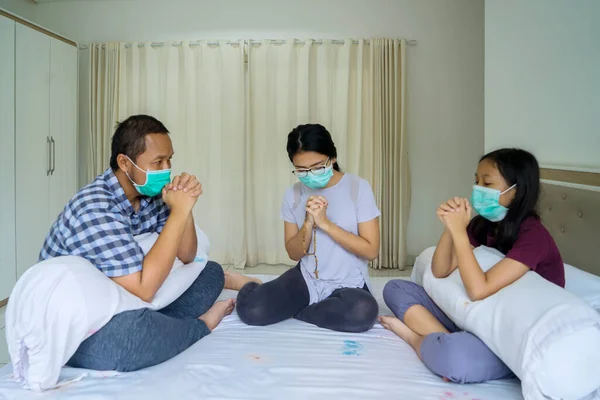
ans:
(316, 178)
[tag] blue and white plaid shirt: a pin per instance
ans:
(99, 224)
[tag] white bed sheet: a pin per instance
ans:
(289, 360)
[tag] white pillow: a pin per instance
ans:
(584, 285)
(60, 302)
(547, 336)
(181, 276)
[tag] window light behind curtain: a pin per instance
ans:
(229, 121)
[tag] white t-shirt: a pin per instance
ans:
(338, 268)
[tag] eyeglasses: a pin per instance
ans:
(302, 173)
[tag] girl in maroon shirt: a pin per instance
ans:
(505, 195)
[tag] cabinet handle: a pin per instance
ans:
(53, 155)
(48, 145)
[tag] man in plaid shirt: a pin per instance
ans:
(136, 195)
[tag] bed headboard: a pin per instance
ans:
(571, 213)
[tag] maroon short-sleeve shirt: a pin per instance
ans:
(534, 247)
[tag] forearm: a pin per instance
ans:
(189, 242)
(355, 244)
(159, 260)
(471, 273)
(444, 260)
(297, 247)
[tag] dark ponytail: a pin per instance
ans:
(311, 137)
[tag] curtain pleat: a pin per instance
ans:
(229, 109)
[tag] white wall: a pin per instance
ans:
(22, 8)
(445, 71)
(542, 79)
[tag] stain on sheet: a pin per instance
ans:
(352, 348)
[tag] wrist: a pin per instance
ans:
(180, 213)
(461, 239)
(326, 226)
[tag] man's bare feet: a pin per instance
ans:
(399, 328)
(235, 281)
(217, 312)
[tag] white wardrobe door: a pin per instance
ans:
(8, 265)
(63, 124)
(32, 150)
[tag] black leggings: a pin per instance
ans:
(346, 310)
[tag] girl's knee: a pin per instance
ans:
(461, 357)
(251, 305)
(363, 314)
(252, 314)
(400, 295)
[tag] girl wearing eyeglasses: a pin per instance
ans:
(331, 225)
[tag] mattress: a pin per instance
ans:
(289, 360)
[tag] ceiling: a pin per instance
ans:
(62, 1)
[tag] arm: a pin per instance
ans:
(188, 247)
(158, 262)
(293, 239)
(444, 258)
(478, 284)
(364, 245)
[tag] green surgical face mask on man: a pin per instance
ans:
(155, 181)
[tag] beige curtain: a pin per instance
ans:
(229, 109)
(291, 84)
(391, 178)
(103, 103)
(198, 92)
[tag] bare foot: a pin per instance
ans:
(399, 328)
(217, 312)
(235, 281)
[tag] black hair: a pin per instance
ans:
(130, 137)
(311, 137)
(521, 168)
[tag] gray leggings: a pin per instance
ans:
(142, 338)
(458, 356)
(346, 310)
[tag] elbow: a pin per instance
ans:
(370, 251)
(188, 258)
(292, 255)
(437, 272)
(146, 297)
(476, 294)
(372, 254)
(145, 294)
